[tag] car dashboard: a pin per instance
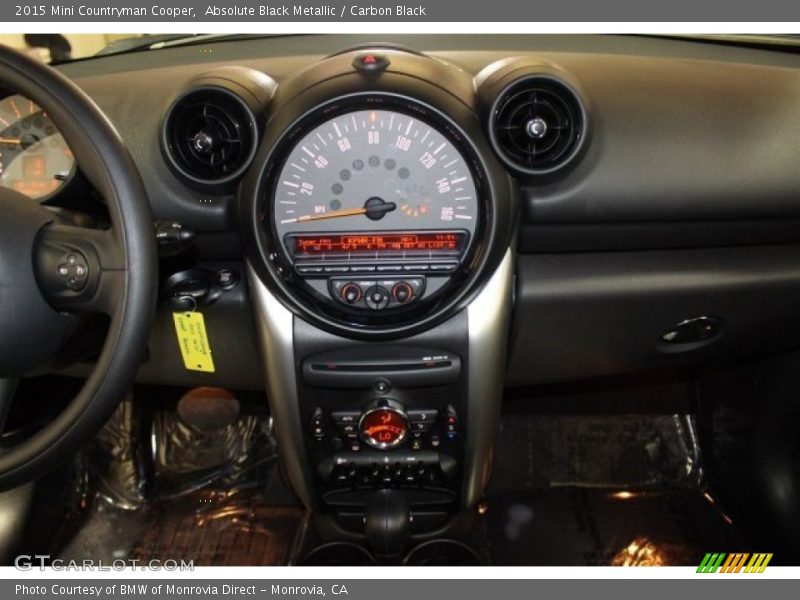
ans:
(386, 235)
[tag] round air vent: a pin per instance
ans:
(537, 125)
(210, 135)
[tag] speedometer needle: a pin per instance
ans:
(374, 208)
(10, 141)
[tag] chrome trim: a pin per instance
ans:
(276, 334)
(381, 445)
(488, 318)
(15, 506)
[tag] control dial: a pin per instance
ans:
(402, 292)
(377, 297)
(351, 293)
(384, 426)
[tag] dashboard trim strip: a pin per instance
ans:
(276, 335)
(488, 320)
(488, 317)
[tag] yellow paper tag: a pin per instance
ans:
(190, 327)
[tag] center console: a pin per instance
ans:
(417, 415)
(379, 229)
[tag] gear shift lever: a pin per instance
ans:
(387, 523)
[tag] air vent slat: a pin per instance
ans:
(537, 124)
(210, 135)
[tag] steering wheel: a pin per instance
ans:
(51, 271)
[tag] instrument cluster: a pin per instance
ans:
(34, 158)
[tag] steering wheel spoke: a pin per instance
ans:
(79, 269)
(49, 269)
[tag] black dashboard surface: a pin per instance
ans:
(680, 130)
(692, 152)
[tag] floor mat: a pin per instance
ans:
(219, 529)
(210, 495)
(591, 527)
(603, 490)
(612, 451)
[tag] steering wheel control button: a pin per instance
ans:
(74, 271)
(377, 297)
(370, 62)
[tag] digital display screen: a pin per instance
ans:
(443, 243)
(383, 428)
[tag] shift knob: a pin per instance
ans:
(387, 522)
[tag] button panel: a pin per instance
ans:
(346, 423)
(426, 458)
(317, 425)
(376, 293)
(311, 269)
(424, 469)
(74, 271)
(426, 428)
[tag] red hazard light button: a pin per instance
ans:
(370, 62)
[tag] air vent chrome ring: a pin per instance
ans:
(210, 136)
(537, 124)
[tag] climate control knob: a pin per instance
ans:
(384, 426)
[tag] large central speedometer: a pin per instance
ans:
(374, 184)
(376, 210)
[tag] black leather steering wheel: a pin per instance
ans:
(42, 287)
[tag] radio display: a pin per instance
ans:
(378, 245)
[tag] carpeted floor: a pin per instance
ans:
(603, 490)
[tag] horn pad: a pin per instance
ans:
(32, 331)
